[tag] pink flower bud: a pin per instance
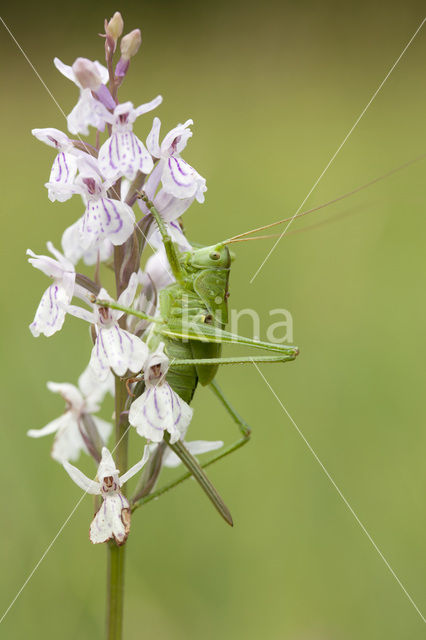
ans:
(114, 27)
(130, 44)
(87, 74)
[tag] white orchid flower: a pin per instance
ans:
(179, 179)
(88, 111)
(105, 217)
(159, 408)
(73, 250)
(50, 314)
(112, 521)
(115, 347)
(80, 401)
(123, 154)
(64, 168)
(93, 388)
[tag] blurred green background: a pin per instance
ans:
(273, 89)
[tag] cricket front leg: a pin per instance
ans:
(169, 246)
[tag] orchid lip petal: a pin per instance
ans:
(159, 408)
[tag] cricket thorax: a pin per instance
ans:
(183, 304)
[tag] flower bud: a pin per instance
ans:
(114, 27)
(87, 74)
(130, 44)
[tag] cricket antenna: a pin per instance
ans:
(238, 237)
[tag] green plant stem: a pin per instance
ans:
(116, 554)
(115, 587)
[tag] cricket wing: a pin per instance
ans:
(212, 287)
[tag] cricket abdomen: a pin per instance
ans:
(183, 380)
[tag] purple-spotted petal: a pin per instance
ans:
(64, 170)
(109, 523)
(50, 314)
(118, 349)
(105, 218)
(73, 250)
(181, 180)
(157, 410)
(123, 154)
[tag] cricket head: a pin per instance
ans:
(216, 256)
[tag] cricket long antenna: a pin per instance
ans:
(326, 204)
(338, 216)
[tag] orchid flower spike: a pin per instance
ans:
(115, 347)
(64, 168)
(123, 154)
(50, 314)
(112, 521)
(81, 403)
(159, 408)
(90, 76)
(179, 179)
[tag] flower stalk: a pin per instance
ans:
(116, 553)
(115, 590)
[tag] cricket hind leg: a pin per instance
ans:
(223, 453)
(240, 422)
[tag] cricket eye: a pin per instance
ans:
(215, 255)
